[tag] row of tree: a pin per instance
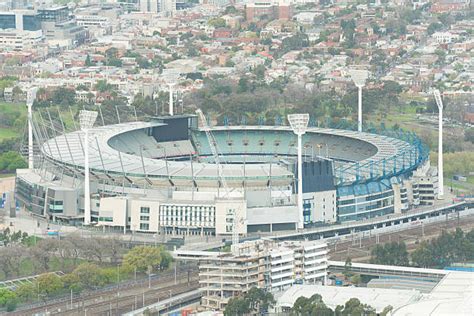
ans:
(29, 255)
(251, 98)
(87, 275)
(448, 248)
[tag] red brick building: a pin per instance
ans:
(270, 9)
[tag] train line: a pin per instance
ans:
(88, 303)
(120, 304)
(358, 248)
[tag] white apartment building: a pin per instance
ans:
(16, 40)
(444, 37)
(265, 264)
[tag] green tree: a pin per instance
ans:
(114, 62)
(354, 307)
(88, 275)
(347, 267)
(469, 135)
(348, 29)
(243, 85)
(390, 254)
(8, 299)
(103, 86)
(63, 96)
(230, 10)
(6, 82)
(49, 284)
(216, 22)
(237, 307)
(144, 258)
(441, 53)
(259, 300)
(88, 62)
(26, 292)
(295, 42)
(434, 27)
(10, 161)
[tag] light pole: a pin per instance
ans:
(359, 77)
(439, 102)
(86, 120)
(30, 99)
(299, 124)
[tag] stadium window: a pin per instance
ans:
(145, 210)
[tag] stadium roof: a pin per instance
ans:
(67, 150)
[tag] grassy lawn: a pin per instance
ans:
(458, 186)
(6, 133)
(15, 115)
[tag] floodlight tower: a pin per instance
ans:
(30, 99)
(439, 102)
(87, 120)
(299, 124)
(359, 77)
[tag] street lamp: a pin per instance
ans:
(359, 77)
(439, 103)
(299, 124)
(30, 99)
(86, 121)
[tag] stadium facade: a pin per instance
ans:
(160, 176)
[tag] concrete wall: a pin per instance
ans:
(225, 216)
(135, 214)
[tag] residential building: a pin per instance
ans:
(273, 9)
(263, 264)
(15, 40)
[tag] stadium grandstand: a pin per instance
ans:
(159, 174)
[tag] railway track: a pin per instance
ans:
(119, 304)
(359, 249)
(143, 292)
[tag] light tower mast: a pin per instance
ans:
(439, 103)
(359, 77)
(86, 121)
(30, 99)
(299, 124)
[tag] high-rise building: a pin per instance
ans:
(56, 14)
(20, 20)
